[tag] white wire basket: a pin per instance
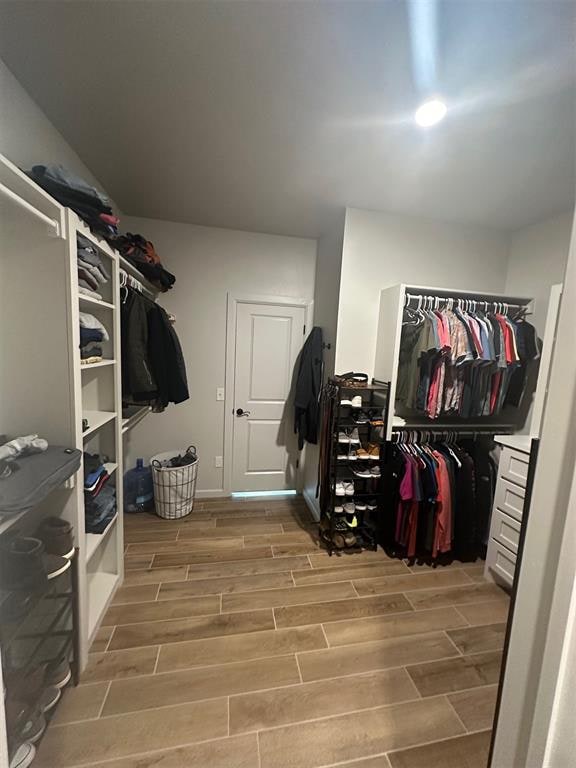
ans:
(174, 487)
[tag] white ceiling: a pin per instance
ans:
(270, 115)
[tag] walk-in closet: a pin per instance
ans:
(287, 384)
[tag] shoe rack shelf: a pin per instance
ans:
(375, 400)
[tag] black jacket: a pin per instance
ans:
(308, 386)
(153, 368)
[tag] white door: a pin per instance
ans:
(268, 340)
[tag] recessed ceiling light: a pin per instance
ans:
(430, 113)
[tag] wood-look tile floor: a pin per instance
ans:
(236, 642)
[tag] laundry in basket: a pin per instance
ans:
(174, 475)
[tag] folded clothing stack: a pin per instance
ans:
(91, 270)
(99, 497)
(140, 252)
(73, 192)
(92, 334)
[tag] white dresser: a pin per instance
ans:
(507, 509)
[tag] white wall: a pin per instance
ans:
(382, 249)
(27, 137)
(537, 259)
(208, 263)
(327, 287)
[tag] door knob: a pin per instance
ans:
(240, 412)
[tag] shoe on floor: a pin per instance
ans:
(57, 535)
(23, 756)
(362, 472)
(58, 672)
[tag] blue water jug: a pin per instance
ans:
(138, 489)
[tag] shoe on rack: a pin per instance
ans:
(348, 488)
(373, 450)
(351, 521)
(55, 565)
(338, 509)
(375, 471)
(376, 419)
(361, 418)
(362, 453)
(49, 698)
(356, 401)
(58, 672)
(371, 505)
(362, 472)
(349, 508)
(339, 489)
(342, 531)
(33, 728)
(354, 437)
(57, 535)
(22, 563)
(346, 401)
(23, 756)
(352, 454)
(360, 506)
(344, 438)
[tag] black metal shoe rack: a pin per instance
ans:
(375, 400)
(37, 629)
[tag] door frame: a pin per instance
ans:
(232, 302)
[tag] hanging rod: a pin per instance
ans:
(127, 280)
(434, 302)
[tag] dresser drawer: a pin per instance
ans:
(509, 498)
(514, 466)
(503, 563)
(506, 530)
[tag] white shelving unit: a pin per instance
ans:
(98, 399)
(46, 390)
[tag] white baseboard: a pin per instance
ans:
(216, 493)
(312, 504)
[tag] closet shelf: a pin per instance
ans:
(97, 419)
(84, 299)
(93, 540)
(134, 418)
(101, 364)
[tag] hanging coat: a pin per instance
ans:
(308, 386)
